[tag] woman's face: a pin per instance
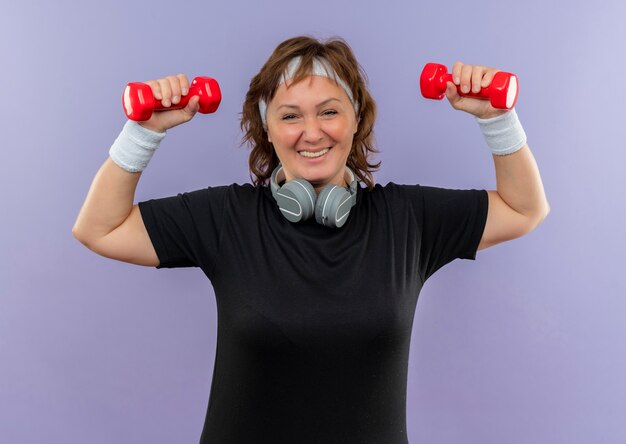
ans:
(311, 125)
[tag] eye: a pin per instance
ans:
(289, 117)
(330, 112)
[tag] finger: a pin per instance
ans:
(156, 89)
(466, 78)
(477, 77)
(176, 89)
(184, 84)
(166, 92)
(488, 77)
(456, 72)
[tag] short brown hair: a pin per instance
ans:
(339, 55)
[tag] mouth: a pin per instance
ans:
(313, 154)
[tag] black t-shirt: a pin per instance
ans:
(314, 323)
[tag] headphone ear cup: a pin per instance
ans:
(296, 200)
(333, 206)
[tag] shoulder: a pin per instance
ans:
(388, 188)
(237, 199)
(394, 200)
(202, 199)
(421, 197)
(245, 193)
(391, 191)
(235, 190)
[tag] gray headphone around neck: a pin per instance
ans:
(297, 200)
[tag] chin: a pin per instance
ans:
(320, 170)
(323, 175)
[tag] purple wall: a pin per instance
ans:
(525, 345)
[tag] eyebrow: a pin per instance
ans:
(319, 105)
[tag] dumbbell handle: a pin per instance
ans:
(502, 92)
(139, 102)
(184, 100)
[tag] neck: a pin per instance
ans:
(318, 188)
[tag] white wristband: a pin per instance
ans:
(504, 134)
(134, 147)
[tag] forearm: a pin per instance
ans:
(108, 202)
(519, 184)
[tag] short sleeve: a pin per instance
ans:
(185, 229)
(452, 223)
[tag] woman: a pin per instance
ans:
(316, 276)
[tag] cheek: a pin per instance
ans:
(347, 136)
(343, 134)
(338, 130)
(287, 135)
(280, 136)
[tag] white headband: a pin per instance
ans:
(319, 68)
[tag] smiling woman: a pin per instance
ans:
(304, 73)
(314, 313)
(312, 140)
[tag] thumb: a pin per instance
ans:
(193, 106)
(456, 100)
(452, 93)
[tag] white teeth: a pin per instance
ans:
(310, 154)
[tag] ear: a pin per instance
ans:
(269, 138)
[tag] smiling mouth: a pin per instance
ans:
(312, 155)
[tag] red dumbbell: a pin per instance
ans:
(502, 92)
(139, 103)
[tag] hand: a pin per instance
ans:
(472, 78)
(169, 91)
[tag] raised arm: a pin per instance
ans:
(519, 203)
(109, 223)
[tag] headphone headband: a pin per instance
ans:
(278, 176)
(298, 201)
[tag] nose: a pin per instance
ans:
(312, 131)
